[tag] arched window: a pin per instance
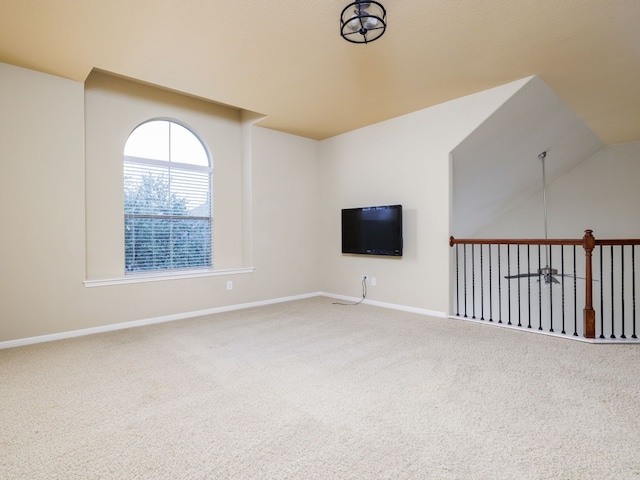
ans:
(167, 199)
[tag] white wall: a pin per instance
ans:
(406, 161)
(600, 193)
(497, 166)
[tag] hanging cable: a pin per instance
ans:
(364, 295)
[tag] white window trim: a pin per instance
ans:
(160, 277)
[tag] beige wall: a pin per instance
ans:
(283, 218)
(113, 108)
(404, 160)
(285, 222)
(42, 203)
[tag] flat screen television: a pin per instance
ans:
(372, 230)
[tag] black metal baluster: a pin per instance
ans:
(490, 285)
(457, 283)
(601, 292)
(550, 292)
(509, 284)
(481, 285)
(612, 299)
(499, 289)
(464, 258)
(633, 287)
(540, 280)
(562, 285)
(529, 284)
(473, 280)
(622, 335)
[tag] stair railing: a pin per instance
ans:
(514, 282)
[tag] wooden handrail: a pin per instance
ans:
(540, 241)
(629, 241)
(514, 241)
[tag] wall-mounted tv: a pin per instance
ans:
(372, 230)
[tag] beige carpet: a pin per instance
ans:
(311, 390)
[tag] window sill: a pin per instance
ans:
(159, 277)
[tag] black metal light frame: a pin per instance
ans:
(359, 25)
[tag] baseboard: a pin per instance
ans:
(148, 321)
(198, 313)
(392, 306)
(619, 341)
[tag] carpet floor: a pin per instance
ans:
(313, 390)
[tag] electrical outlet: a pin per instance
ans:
(229, 284)
(364, 277)
(373, 281)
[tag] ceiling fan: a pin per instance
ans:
(546, 274)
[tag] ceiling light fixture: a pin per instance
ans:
(363, 22)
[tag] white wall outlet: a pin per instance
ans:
(229, 284)
(373, 281)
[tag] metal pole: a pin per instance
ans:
(542, 157)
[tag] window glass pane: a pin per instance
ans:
(191, 243)
(146, 190)
(186, 147)
(167, 205)
(192, 188)
(149, 140)
(162, 244)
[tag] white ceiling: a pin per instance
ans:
(286, 60)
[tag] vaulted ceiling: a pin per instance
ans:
(286, 60)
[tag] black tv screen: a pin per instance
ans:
(372, 230)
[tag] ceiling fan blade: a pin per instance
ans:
(522, 275)
(575, 276)
(548, 274)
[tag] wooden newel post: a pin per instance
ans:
(589, 243)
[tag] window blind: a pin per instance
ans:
(167, 215)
